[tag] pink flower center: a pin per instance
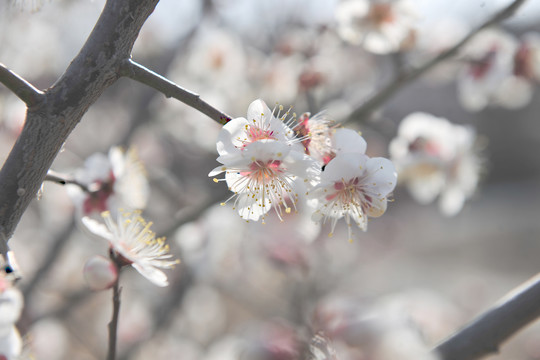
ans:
(479, 68)
(523, 62)
(263, 172)
(97, 200)
(350, 193)
(256, 133)
(380, 14)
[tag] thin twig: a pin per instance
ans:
(20, 87)
(113, 324)
(409, 76)
(143, 75)
(484, 335)
(63, 179)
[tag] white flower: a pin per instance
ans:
(112, 181)
(435, 157)
(100, 273)
(322, 141)
(353, 186)
(381, 26)
(262, 175)
(132, 240)
(490, 60)
(261, 124)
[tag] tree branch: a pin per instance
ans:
(484, 335)
(409, 76)
(49, 122)
(113, 324)
(143, 75)
(20, 87)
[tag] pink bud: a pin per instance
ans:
(100, 273)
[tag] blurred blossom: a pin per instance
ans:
(273, 341)
(11, 304)
(488, 76)
(113, 181)
(49, 340)
(437, 158)
(382, 330)
(100, 273)
(217, 58)
(381, 26)
(130, 237)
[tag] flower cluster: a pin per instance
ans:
(269, 160)
(500, 70)
(437, 158)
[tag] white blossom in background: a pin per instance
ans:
(11, 304)
(131, 239)
(353, 186)
(486, 79)
(516, 91)
(380, 26)
(436, 158)
(113, 181)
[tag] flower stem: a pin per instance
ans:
(113, 324)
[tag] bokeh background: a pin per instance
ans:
(252, 291)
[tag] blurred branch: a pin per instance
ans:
(49, 123)
(145, 76)
(20, 87)
(62, 179)
(49, 260)
(484, 335)
(407, 77)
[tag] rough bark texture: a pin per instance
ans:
(49, 123)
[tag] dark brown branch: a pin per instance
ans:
(49, 123)
(409, 76)
(20, 87)
(143, 75)
(484, 335)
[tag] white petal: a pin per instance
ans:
(382, 175)
(347, 140)
(97, 229)
(156, 276)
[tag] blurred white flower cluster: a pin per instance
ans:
(437, 158)
(500, 70)
(267, 162)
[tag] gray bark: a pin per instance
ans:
(49, 122)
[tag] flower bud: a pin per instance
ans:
(100, 273)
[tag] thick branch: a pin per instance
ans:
(485, 334)
(49, 123)
(408, 77)
(143, 75)
(20, 87)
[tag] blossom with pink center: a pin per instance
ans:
(322, 141)
(381, 26)
(131, 239)
(355, 187)
(487, 77)
(436, 158)
(263, 176)
(112, 181)
(261, 124)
